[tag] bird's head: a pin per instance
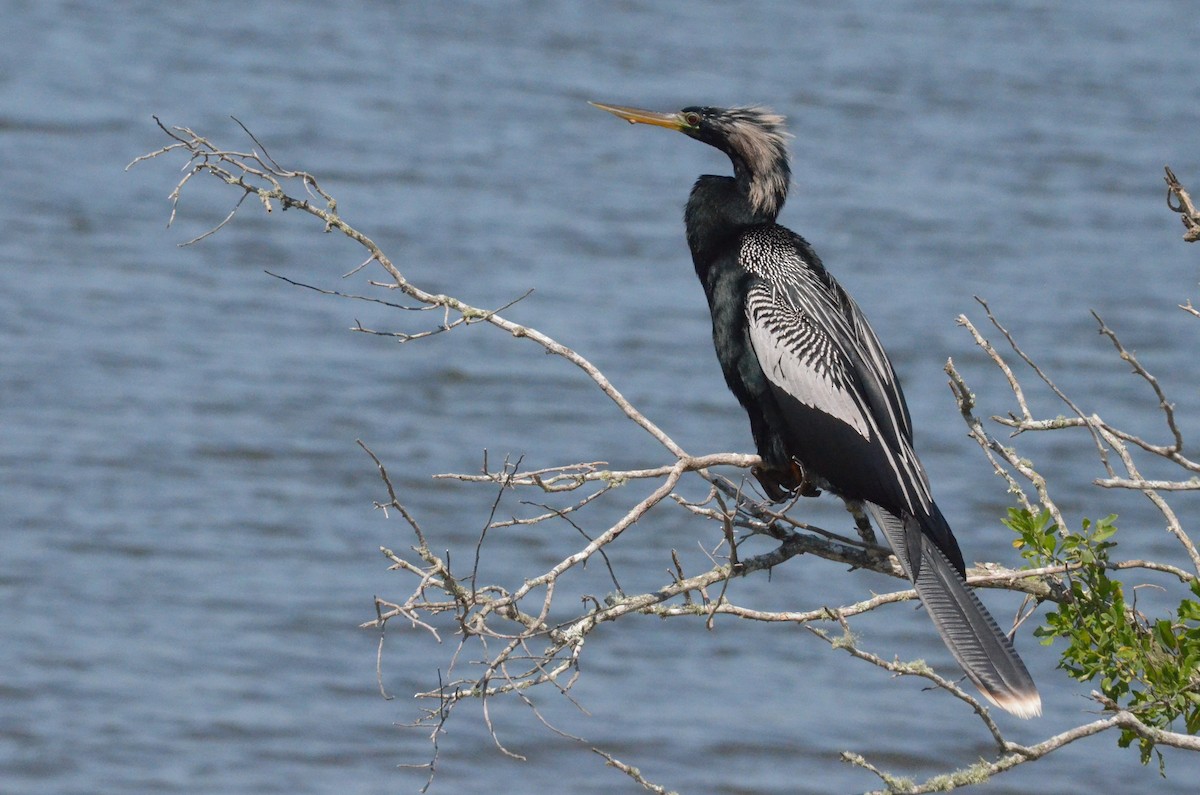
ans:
(754, 138)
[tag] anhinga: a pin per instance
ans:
(826, 410)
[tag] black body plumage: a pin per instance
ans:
(825, 407)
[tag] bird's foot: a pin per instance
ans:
(865, 531)
(783, 484)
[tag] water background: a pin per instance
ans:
(188, 534)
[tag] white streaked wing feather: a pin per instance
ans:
(879, 364)
(809, 375)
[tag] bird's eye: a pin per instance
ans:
(692, 118)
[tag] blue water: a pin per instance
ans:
(189, 538)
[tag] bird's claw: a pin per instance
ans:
(783, 484)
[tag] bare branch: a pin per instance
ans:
(633, 773)
(1179, 201)
(1167, 408)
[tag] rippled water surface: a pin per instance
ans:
(189, 539)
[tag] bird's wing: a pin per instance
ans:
(798, 353)
(874, 360)
(812, 350)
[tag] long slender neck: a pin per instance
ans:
(762, 173)
(718, 209)
(722, 206)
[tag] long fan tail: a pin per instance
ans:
(985, 653)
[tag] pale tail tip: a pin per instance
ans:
(1023, 705)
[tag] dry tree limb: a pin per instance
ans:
(633, 773)
(1016, 755)
(1180, 202)
(1106, 438)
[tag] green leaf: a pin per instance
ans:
(1105, 528)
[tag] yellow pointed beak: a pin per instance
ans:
(672, 121)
